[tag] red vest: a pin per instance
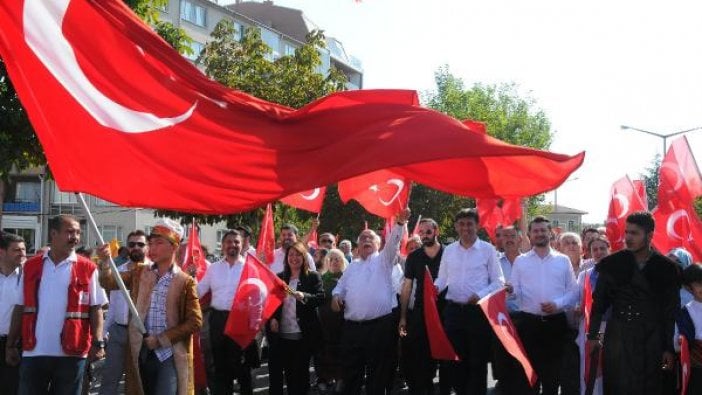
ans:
(75, 334)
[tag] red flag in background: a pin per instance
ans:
(685, 365)
(311, 200)
(678, 228)
(382, 192)
(312, 239)
(679, 178)
(625, 200)
(439, 344)
(259, 294)
(640, 186)
(495, 308)
(266, 237)
(194, 257)
(496, 212)
(587, 313)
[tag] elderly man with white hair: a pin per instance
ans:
(365, 292)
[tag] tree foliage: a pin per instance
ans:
(650, 178)
(508, 116)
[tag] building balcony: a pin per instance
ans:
(21, 207)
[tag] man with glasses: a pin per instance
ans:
(118, 318)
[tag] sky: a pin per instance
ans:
(592, 66)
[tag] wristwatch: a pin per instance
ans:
(99, 343)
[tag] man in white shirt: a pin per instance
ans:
(288, 237)
(245, 232)
(118, 318)
(543, 281)
(61, 301)
(13, 254)
(222, 280)
(470, 270)
(366, 293)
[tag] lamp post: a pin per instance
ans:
(662, 136)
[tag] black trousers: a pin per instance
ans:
(290, 359)
(543, 339)
(229, 358)
(418, 366)
(470, 334)
(367, 347)
(508, 370)
(9, 375)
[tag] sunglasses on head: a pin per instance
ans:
(133, 244)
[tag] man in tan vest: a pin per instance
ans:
(166, 299)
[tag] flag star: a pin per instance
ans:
(374, 188)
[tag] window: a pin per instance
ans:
(197, 49)
(571, 226)
(271, 39)
(110, 232)
(59, 197)
(28, 192)
(218, 249)
(238, 31)
(289, 50)
(193, 13)
(148, 229)
(103, 203)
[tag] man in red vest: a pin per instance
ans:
(61, 324)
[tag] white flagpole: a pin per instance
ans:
(115, 273)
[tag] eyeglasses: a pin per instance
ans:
(133, 244)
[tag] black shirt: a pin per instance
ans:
(415, 270)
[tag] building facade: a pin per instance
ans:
(566, 218)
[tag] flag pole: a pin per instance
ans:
(115, 273)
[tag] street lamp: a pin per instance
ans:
(662, 136)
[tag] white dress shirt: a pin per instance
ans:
(279, 256)
(506, 267)
(695, 309)
(52, 301)
(469, 271)
(9, 297)
(367, 284)
(119, 310)
(539, 280)
(222, 279)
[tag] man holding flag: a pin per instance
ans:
(222, 279)
(365, 292)
(419, 366)
(470, 270)
(166, 299)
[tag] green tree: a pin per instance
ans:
(508, 116)
(650, 178)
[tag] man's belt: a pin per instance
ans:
(543, 318)
(368, 322)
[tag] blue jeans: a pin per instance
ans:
(158, 378)
(64, 374)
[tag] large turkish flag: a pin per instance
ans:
(122, 116)
(382, 192)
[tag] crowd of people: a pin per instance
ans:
(354, 312)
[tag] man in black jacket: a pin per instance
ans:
(641, 287)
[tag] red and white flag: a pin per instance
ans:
(685, 366)
(259, 294)
(678, 228)
(266, 237)
(382, 192)
(439, 344)
(415, 231)
(494, 307)
(194, 257)
(679, 179)
(625, 200)
(311, 200)
(640, 186)
(196, 143)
